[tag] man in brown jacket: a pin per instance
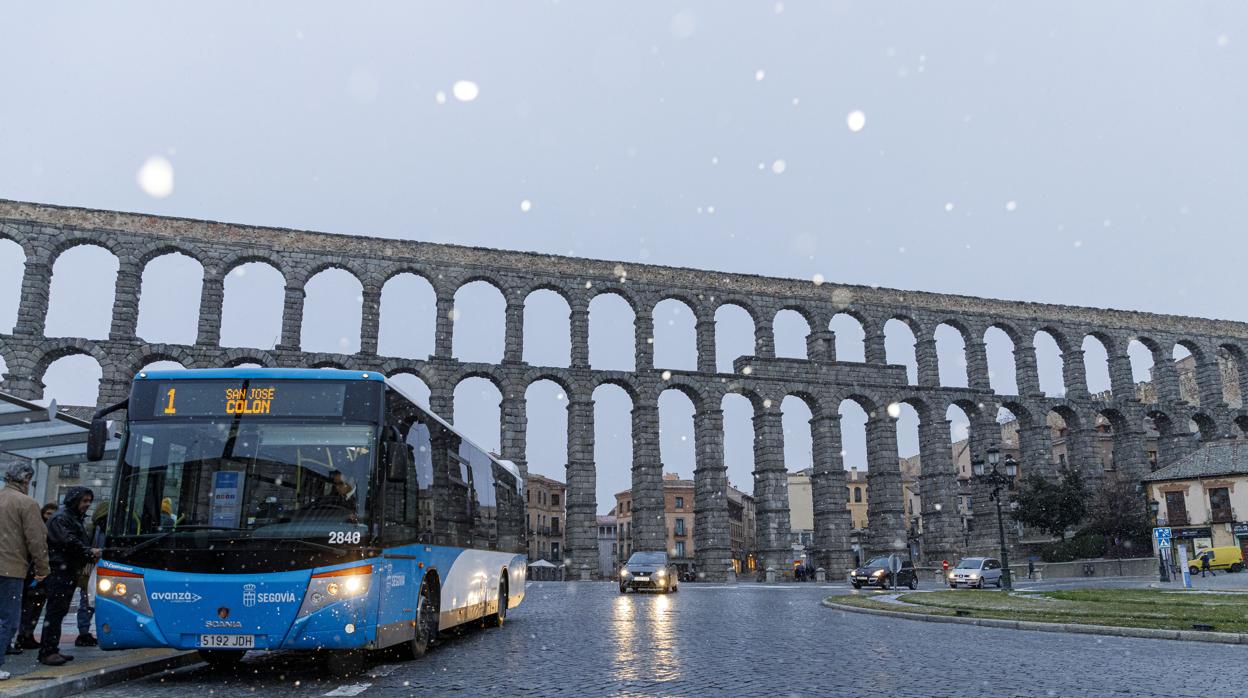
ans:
(23, 541)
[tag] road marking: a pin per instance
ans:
(354, 689)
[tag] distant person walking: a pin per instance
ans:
(1204, 564)
(69, 551)
(34, 596)
(23, 542)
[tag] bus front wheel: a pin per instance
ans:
(426, 623)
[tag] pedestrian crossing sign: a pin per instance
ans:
(1163, 537)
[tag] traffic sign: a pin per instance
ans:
(1163, 537)
(894, 564)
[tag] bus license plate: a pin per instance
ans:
(229, 642)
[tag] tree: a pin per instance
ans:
(1051, 507)
(1118, 512)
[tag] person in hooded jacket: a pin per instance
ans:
(86, 610)
(69, 551)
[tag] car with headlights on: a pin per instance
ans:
(975, 572)
(875, 574)
(649, 570)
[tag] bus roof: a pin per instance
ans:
(261, 374)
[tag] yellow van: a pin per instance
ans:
(1225, 558)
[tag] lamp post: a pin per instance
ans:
(997, 480)
(1154, 508)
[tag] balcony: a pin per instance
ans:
(1223, 515)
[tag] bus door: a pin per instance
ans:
(398, 576)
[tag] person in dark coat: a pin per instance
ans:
(69, 551)
(1204, 564)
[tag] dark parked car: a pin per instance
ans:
(648, 571)
(875, 573)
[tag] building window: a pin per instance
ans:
(858, 495)
(1176, 509)
(554, 500)
(528, 496)
(680, 502)
(1220, 505)
(680, 527)
(554, 525)
(680, 548)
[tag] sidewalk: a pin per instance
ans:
(1219, 581)
(91, 668)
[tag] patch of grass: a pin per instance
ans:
(1134, 608)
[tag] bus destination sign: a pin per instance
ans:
(201, 398)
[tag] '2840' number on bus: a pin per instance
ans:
(344, 537)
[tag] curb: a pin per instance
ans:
(1113, 631)
(74, 684)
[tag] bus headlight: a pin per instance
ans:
(126, 588)
(328, 587)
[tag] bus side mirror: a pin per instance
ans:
(398, 461)
(97, 437)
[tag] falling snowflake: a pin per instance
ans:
(779, 166)
(440, 97)
(856, 120)
(155, 177)
(465, 90)
(759, 75)
(526, 205)
(1011, 205)
(817, 279)
(667, 375)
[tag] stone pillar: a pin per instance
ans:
(580, 505)
(706, 345)
(370, 320)
(928, 362)
(444, 325)
(833, 524)
(1075, 374)
(126, 301)
(821, 346)
(1026, 374)
(875, 352)
(771, 492)
(984, 538)
(578, 323)
(211, 305)
(1130, 454)
(1121, 381)
(938, 492)
(1165, 378)
(513, 332)
(515, 431)
(643, 336)
(17, 384)
(977, 367)
(292, 318)
(1172, 446)
(886, 509)
(1082, 453)
(1209, 380)
(442, 400)
(764, 340)
(1035, 446)
(32, 313)
(712, 544)
(649, 523)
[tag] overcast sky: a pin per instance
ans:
(1071, 152)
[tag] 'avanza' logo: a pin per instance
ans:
(176, 596)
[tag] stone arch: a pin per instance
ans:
(67, 349)
(1051, 350)
(253, 303)
(162, 248)
(559, 378)
(149, 354)
(686, 387)
(483, 422)
(677, 431)
(13, 259)
(954, 369)
(80, 239)
(320, 266)
(614, 399)
(786, 325)
(901, 333)
(612, 341)
(547, 315)
(1143, 359)
(1097, 348)
(410, 383)
(175, 317)
(333, 291)
(82, 288)
(407, 315)
(548, 425)
(245, 257)
(797, 409)
(732, 340)
(619, 381)
(850, 330)
(1206, 426)
(480, 320)
(238, 356)
(1233, 365)
(674, 322)
(1001, 346)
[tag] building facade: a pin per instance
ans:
(1203, 498)
(544, 503)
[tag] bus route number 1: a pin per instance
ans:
(169, 408)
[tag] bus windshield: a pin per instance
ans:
(250, 478)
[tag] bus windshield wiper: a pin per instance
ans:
(318, 546)
(161, 536)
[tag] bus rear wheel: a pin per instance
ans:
(497, 620)
(426, 623)
(222, 659)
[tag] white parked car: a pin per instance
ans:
(976, 572)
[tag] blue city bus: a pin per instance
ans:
(304, 509)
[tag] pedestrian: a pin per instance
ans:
(86, 609)
(1204, 564)
(69, 551)
(34, 595)
(23, 542)
(1031, 569)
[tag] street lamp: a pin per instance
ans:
(1154, 508)
(997, 480)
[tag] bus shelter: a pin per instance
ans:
(55, 444)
